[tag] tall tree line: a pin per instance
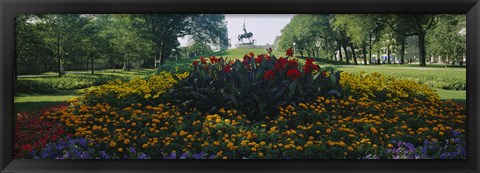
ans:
(351, 38)
(114, 39)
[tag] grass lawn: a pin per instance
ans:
(32, 102)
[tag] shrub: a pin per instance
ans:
(255, 86)
(49, 85)
(32, 86)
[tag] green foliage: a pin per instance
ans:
(256, 86)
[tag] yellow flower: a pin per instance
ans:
(126, 141)
(120, 149)
(329, 131)
(113, 143)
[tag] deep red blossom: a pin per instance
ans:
(227, 68)
(267, 57)
(309, 66)
(203, 60)
(289, 52)
(259, 59)
(34, 130)
(269, 75)
(195, 63)
(280, 64)
(251, 54)
(293, 63)
(293, 73)
(27, 147)
(213, 60)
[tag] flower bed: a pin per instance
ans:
(289, 110)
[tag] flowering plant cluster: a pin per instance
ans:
(138, 90)
(379, 87)
(34, 130)
(256, 85)
(454, 148)
(305, 130)
(258, 108)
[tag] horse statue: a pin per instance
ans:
(245, 35)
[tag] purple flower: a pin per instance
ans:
(142, 156)
(199, 155)
(104, 155)
(85, 155)
(183, 156)
(132, 150)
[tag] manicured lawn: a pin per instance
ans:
(454, 95)
(33, 102)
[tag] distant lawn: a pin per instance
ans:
(34, 102)
(454, 95)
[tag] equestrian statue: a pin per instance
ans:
(245, 35)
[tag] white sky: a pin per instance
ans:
(265, 27)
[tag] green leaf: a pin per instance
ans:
(292, 87)
(234, 100)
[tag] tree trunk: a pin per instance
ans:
(340, 52)
(45, 65)
(114, 65)
(402, 52)
(59, 57)
(364, 50)
(91, 62)
(353, 53)
(421, 45)
(15, 73)
(388, 55)
(370, 52)
(346, 53)
(378, 58)
(161, 55)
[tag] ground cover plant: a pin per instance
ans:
(257, 107)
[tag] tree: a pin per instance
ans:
(409, 25)
(446, 38)
(164, 30)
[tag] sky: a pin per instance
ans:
(265, 27)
